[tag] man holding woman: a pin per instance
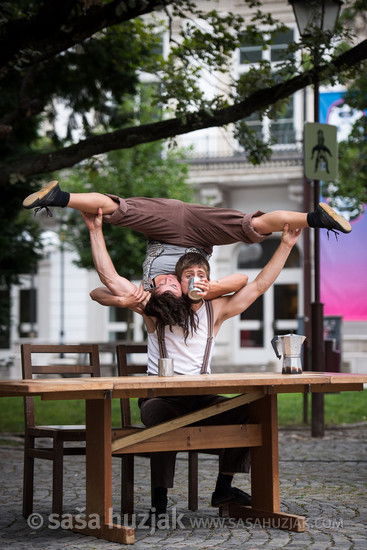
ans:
(187, 330)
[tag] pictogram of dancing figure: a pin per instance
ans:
(322, 153)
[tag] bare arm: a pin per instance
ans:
(104, 297)
(225, 285)
(230, 306)
(119, 291)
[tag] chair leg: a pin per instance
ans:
(57, 476)
(193, 480)
(127, 485)
(28, 477)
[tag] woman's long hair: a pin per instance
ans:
(171, 311)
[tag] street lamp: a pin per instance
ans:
(314, 17)
(316, 14)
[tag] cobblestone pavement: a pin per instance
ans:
(322, 479)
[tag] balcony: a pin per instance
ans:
(206, 148)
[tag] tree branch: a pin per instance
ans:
(129, 137)
(52, 31)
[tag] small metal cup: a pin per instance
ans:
(193, 290)
(165, 367)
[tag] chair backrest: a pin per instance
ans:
(127, 368)
(35, 359)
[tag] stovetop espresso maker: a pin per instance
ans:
(289, 346)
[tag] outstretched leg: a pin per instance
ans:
(323, 217)
(230, 221)
(52, 195)
(276, 220)
(90, 202)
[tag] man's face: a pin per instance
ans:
(195, 271)
(169, 283)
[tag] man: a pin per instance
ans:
(186, 335)
(174, 227)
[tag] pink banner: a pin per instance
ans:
(343, 264)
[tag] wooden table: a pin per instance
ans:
(259, 390)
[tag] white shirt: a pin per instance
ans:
(187, 357)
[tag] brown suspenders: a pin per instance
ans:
(209, 340)
(161, 342)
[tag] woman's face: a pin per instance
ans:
(169, 283)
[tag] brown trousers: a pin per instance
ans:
(175, 222)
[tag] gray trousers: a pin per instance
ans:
(161, 409)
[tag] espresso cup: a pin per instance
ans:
(165, 367)
(193, 290)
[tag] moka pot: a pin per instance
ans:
(289, 346)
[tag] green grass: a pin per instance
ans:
(340, 408)
(53, 412)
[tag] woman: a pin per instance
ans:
(173, 227)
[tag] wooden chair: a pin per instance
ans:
(57, 434)
(126, 368)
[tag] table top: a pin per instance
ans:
(149, 386)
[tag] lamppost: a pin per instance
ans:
(62, 237)
(314, 17)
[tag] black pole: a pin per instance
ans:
(307, 206)
(62, 287)
(317, 308)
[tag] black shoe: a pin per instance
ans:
(49, 195)
(155, 515)
(330, 220)
(234, 496)
(157, 511)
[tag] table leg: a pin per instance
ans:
(264, 459)
(265, 508)
(98, 521)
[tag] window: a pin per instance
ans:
(256, 256)
(283, 129)
(254, 312)
(254, 54)
(4, 319)
(119, 315)
(120, 324)
(27, 312)
(253, 336)
(285, 301)
(250, 54)
(280, 42)
(255, 124)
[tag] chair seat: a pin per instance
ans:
(64, 432)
